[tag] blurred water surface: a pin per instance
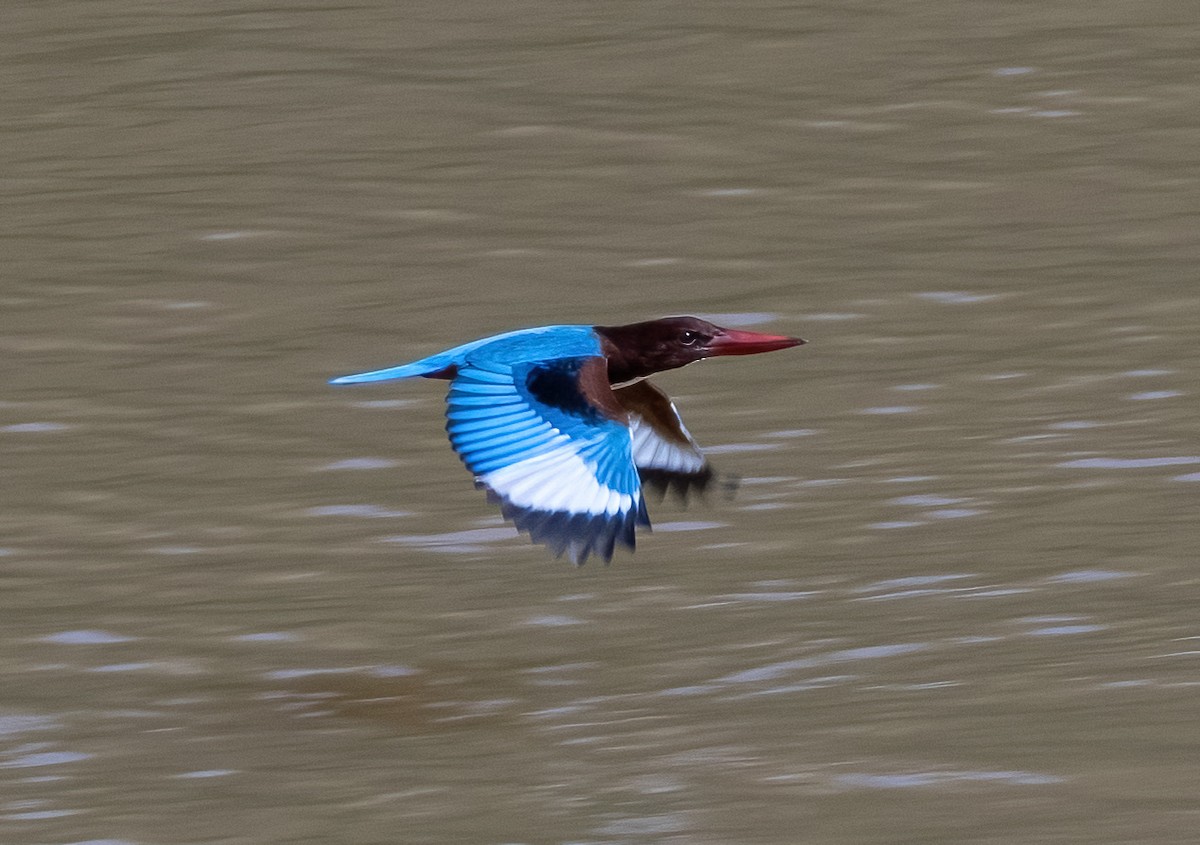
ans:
(954, 598)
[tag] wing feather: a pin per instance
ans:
(666, 455)
(556, 452)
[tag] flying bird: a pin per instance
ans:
(560, 427)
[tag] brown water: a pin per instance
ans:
(955, 598)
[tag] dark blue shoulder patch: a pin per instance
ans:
(556, 384)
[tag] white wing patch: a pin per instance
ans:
(558, 480)
(668, 459)
(557, 497)
(653, 451)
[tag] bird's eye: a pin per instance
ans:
(689, 338)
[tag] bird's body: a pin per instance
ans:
(559, 426)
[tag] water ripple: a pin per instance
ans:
(1151, 395)
(890, 409)
(1128, 463)
(86, 638)
(772, 671)
(552, 621)
(1064, 630)
(469, 541)
(909, 780)
(34, 427)
(44, 758)
(18, 724)
(361, 511)
(361, 464)
(1087, 576)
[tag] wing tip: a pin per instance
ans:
(681, 485)
(578, 536)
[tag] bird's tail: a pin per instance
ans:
(435, 366)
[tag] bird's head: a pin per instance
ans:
(640, 349)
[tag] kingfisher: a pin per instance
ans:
(560, 427)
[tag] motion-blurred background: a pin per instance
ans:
(954, 598)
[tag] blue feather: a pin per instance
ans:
(561, 469)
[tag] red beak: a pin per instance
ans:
(733, 342)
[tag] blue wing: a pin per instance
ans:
(522, 344)
(547, 442)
